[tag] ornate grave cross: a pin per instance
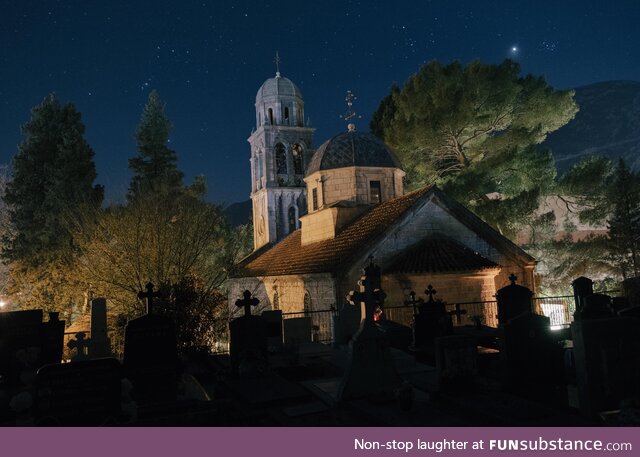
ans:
(81, 345)
(457, 312)
(430, 291)
(412, 301)
(149, 295)
(513, 278)
(247, 302)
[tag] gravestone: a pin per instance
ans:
(595, 306)
(20, 345)
(370, 369)
(631, 290)
(248, 340)
(431, 320)
(607, 362)
(297, 331)
(150, 354)
(52, 339)
(273, 320)
(100, 344)
(346, 323)
(513, 300)
(532, 361)
(456, 361)
(582, 288)
(82, 393)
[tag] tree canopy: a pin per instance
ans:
(473, 130)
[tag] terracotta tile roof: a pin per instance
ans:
(290, 257)
(439, 255)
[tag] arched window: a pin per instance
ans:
(299, 116)
(276, 301)
(307, 302)
(281, 159)
(298, 165)
(286, 115)
(270, 116)
(293, 219)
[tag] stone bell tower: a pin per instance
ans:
(280, 151)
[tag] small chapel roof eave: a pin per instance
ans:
(358, 240)
(439, 254)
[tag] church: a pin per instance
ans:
(319, 215)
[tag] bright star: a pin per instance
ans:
(514, 49)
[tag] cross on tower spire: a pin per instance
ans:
(350, 114)
(277, 61)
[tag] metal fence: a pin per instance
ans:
(559, 309)
(321, 323)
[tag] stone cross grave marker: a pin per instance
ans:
(248, 340)
(100, 344)
(151, 354)
(370, 369)
(430, 321)
(81, 344)
(513, 300)
(83, 393)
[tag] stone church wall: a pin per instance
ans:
(433, 220)
(286, 293)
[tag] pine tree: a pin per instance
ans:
(155, 168)
(624, 225)
(473, 129)
(53, 174)
(52, 185)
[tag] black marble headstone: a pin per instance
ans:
(20, 344)
(530, 357)
(81, 393)
(513, 300)
(151, 358)
(595, 306)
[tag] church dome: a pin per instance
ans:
(351, 149)
(278, 87)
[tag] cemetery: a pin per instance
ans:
(362, 303)
(431, 370)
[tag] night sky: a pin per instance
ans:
(208, 59)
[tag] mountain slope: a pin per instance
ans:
(607, 124)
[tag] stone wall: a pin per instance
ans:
(289, 290)
(451, 288)
(352, 184)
